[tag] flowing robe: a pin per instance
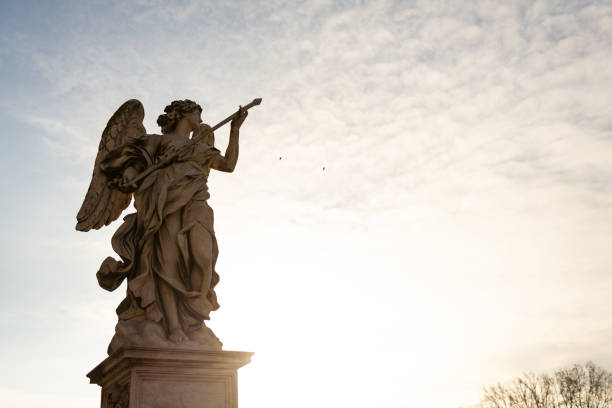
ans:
(155, 243)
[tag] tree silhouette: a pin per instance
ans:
(582, 386)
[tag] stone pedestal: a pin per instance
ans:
(161, 378)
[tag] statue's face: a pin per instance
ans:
(194, 119)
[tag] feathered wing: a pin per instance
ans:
(103, 204)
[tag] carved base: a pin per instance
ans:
(164, 378)
(145, 333)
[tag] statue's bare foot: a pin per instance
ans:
(177, 336)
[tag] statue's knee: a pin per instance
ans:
(201, 237)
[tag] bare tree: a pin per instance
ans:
(587, 386)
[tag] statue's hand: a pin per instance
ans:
(240, 117)
(123, 184)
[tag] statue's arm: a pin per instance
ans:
(125, 163)
(228, 162)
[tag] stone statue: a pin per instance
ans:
(167, 247)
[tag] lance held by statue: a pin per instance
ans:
(168, 247)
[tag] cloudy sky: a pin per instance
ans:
(440, 219)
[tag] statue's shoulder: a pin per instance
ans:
(153, 139)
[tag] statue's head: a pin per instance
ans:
(176, 111)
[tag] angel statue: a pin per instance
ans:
(167, 247)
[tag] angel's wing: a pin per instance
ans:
(102, 204)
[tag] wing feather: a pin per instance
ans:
(103, 204)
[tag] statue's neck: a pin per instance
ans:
(182, 130)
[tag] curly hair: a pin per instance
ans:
(174, 113)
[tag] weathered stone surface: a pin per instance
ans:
(168, 247)
(162, 355)
(169, 378)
